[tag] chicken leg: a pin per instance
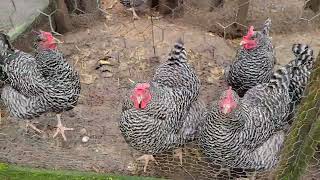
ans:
(146, 158)
(32, 126)
(61, 128)
(178, 153)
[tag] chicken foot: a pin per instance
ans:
(32, 126)
(61, 128)
(146, 158)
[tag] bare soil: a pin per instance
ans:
(132, 52)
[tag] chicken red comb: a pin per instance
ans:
(228, 98)
(229, 92)
(249, 33)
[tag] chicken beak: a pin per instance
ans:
(35, 32)
(57, 40)
(243, 43)
(226, 109)
(139, 99)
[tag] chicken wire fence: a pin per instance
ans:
(118, 49)
(7, 16)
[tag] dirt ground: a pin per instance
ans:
(130, 52)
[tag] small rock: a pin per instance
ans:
(85, 139)
(83, 131)
(132, 166)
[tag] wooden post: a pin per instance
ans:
(314, 5)
(237, 30)
(242, 11)
(167, 6)
(70, 4)
(61, 17)
(88, 6)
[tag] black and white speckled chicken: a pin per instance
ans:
(164, 113)
(133, 5)
(29, 91)
(65, 79)
(299, 79)
(249, 132)
(254, 61)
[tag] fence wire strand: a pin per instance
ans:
(107, 47)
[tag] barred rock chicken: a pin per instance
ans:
(56, 69)
(133, 5)
(248, 132)
(36, 85)
(164, 113)
(299, 79)
(254, 61)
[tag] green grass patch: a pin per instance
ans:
(12, 172)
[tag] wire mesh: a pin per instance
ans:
(7, 15)
(133, 49)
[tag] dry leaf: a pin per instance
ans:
(105, 62)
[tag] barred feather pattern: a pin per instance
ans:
(62, 76)
(153, 130)
(251, 136)
(252, 67)
(176, 73)
(173, 115)
(237, 139)
(301, 66)
(27, 93)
